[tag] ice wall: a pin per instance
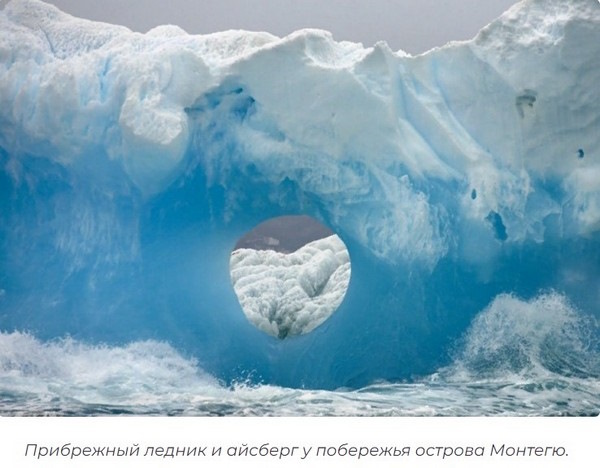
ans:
(131, 163)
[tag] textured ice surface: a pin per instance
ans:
(131, 163)
(291, 294)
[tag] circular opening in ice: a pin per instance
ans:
(290, 274)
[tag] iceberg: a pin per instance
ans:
(465, 183)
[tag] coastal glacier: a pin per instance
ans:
(291, 294)
(465, 183)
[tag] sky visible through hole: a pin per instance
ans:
(284, 234)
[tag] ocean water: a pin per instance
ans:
(535, 372)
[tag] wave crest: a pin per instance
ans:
(537, 337)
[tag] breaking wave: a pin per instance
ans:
(548, 366)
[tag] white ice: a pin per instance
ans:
(291, 294)
(408, 155)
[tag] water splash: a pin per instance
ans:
(541, 337)
(537, 357)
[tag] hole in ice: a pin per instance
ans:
(497, 225)
(290, 274)
(524, 100)
(580, 153)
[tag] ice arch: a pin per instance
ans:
(130, 165)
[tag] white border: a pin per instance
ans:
(578, 437)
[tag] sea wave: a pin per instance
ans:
(537, 357)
